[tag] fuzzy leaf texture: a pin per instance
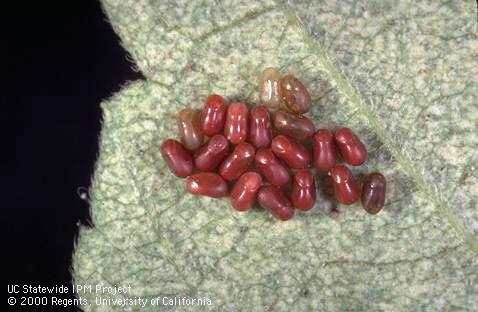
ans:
(402, 74)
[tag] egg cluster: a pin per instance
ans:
(269, 158)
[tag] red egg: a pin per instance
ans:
(351, 148)
(304, 194)
(296, 97)
(244, 192)
(213, 115)
(178, 159)
(206, 184)
(293, 154)
(274, 200)
(237, 162)
(260, 133)
(298, 127)
(347, 189)
(324, 150)
(210, 155)
(373, 193)
(271, 168)
(236, 128)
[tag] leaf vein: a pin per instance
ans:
(344, 86)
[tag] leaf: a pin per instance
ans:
(403, 74)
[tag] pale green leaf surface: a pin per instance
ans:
(403, 74)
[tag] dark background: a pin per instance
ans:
(63, 59)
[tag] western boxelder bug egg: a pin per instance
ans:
(237, 162)
(260, 132)
(213, 115)
(373, 192)
(274, 200)
(351, 148)
(206, 184)
(210, 155)
(236, 128)
(244, 192)
(303, 194)
(271, 168)
(347, 190)
(178, 159)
